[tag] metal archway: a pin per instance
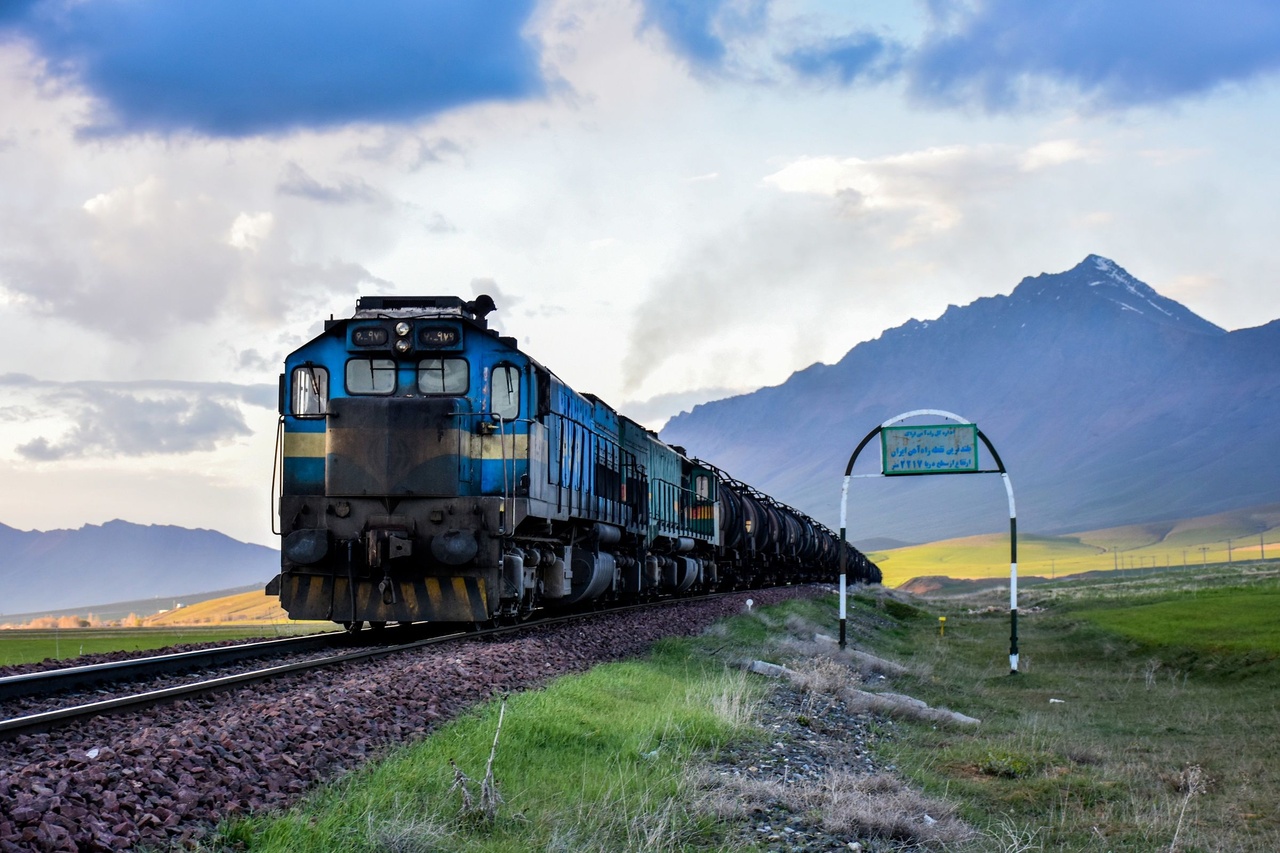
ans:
(1013, 516)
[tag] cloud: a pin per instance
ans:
(844, 248)
(235, 68)
(697, 30)
(251, 359)
(438, 223)
(999, 54)
(139, 259)
(929, 187)
(145, 418)
(751, 290)
(856, 58)
(296, 182)
(657, 410)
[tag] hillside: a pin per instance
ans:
(119, 561)
(1237, 536)
(1109, 404)
(246, 608)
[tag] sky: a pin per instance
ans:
(671, 201)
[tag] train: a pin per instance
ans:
(429, 470)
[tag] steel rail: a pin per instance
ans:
(73, 677)
(46, 720)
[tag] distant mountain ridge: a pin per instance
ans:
(116, 561)
(1109, 404)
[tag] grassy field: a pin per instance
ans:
(1126, 728)
(1231, 537)
(233, 617)
(593, 763)
(32, 645)
(1125, 731)
(1214, 624)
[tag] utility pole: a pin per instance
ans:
(1204, 556)
(1262, 546)
(1228, 552)
(1115, 560)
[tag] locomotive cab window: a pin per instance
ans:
(310, 392)
(443, 376)
(371, 376)
(505, 391)
(702, 486)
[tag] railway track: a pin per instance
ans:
(162, 777)
(51, 682)
(76, 677)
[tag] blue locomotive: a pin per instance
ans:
(432, 471)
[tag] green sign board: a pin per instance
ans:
(929, 449)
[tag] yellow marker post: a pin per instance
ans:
(942, 626)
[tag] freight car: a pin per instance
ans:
(429, 470)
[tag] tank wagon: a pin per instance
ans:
(430, 470)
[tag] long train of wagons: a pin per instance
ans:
(432, 471)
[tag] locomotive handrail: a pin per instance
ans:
(576, 453)
(502, 452)
(508, 494)
(277, 466)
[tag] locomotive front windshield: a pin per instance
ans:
(371, 376)
(443, 376)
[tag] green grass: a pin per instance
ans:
(592, 762)
(1220, 629)
(1144, 718)
(1151, 686)
(32, 645)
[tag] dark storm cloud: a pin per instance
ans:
(144, 418)
(1001, 54)
(238, 68)
(1115, 54)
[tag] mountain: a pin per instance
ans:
(64, 569)
(1108, 403)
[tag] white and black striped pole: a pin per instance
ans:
(844, 557)
(844, 526)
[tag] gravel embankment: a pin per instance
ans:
(164, 777)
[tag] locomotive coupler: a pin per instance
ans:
(388, 590)
(398, 544)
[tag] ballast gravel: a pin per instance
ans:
(165, 777)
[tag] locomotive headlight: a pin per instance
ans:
(403, 329)
(402, 346)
